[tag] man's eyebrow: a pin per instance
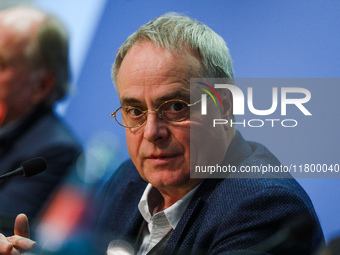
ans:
(183, 95)
(129, 101)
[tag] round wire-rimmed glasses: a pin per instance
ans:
(171, 110)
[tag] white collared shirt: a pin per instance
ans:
(159, 223)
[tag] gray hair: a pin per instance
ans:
(49, 50)
(173, 31)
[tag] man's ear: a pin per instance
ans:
(44, 87)
(227, 102)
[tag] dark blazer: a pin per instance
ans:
(41, 134)
(224, 215)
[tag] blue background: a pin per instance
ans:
(267, 39)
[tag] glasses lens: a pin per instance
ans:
(174, 111)
(130, 117)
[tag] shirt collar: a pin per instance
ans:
(151, 197)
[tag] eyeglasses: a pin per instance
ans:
(172, 111)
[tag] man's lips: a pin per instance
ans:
(156, 156)
(161, 158)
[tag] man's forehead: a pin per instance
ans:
(12, 46)
(159, 96)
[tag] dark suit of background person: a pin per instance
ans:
(30, 127)
(224, 215)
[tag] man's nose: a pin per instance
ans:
(155, 128)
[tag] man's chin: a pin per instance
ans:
(166, 180)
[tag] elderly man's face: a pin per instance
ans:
(17, 84)
(159, 149)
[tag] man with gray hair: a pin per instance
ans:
(34, 75)
(151, 201)
(151, 204)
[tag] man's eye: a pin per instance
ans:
(134, 112)
(176, 106)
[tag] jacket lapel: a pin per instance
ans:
(194, 206)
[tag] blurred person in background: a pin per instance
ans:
(34, 75)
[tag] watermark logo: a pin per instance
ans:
(238, 99)
(280, 99)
